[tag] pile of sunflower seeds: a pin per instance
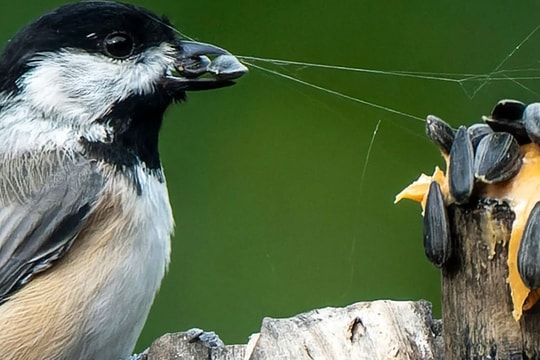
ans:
(487, 153)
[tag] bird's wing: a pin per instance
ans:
(44, 202)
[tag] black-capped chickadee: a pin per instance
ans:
(85, 220)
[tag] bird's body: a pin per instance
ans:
(130, 235)
(85, 219)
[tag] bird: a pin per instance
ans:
(85, 218)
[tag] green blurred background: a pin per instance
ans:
(276, 210)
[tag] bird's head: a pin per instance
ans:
(107, 70)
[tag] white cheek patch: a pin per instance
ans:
(81, 85)
(65, 92)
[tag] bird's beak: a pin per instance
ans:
(200, 66)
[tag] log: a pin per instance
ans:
(476, 303)
(367, 330)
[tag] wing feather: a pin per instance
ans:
(44, 203)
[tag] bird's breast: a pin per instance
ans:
(135, 228)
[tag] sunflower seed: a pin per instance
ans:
(497, 158)
(477, 132)
(437, 242)
(529, 250)
(461, 171)
(507, 116)
(531, 120)
(440, 133)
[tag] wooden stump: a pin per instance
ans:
(477, 308)
(383, 329)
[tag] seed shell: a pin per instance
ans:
(497, 158)
(529, 250)
(440, 133)
(461, 167)
(437, 242)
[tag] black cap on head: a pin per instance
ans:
(84, 26)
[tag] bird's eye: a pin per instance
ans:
(118, 45)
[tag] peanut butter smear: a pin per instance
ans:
(521, 192)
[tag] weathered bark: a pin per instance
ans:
(369, 330)
(477, 308)
(181, 346)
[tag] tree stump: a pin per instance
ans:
(477, 308)
(383, 329)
